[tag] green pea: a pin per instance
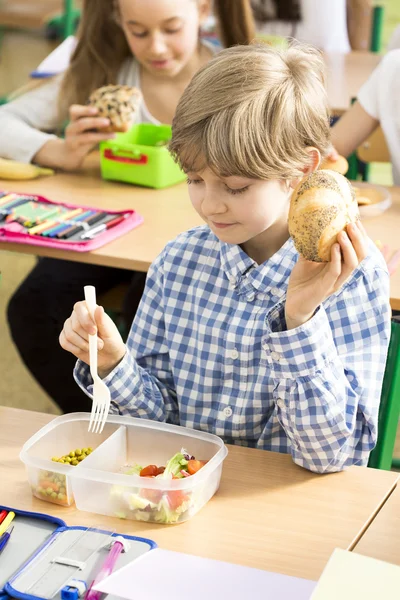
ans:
(60, 496)
(72, 454)
(54, 459)
(80, 458)
(74, 462)
(54, 495)
(78, 452)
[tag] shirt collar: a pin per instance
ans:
(274, 273)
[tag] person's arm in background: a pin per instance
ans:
(357, 124)
(28, 123)
(352, 129)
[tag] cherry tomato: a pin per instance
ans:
(194, 466)
(176, 498)
(152, 495)
(149, 471)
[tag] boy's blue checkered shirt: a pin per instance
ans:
(208, 349)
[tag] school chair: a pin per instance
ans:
(25, 14)
(389, 411)
(378, 15)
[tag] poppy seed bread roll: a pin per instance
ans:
(118, 103)
(322, 205)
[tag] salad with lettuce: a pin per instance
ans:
(158, 505)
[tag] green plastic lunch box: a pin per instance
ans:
(140, 156)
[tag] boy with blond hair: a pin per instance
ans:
(237, 334)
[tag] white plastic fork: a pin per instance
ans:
(101, 393)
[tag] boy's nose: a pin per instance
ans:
(212, 205)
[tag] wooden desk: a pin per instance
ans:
(346, 73)
(166, 213)
(268, 513)
(382, 538)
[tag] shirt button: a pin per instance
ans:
(275, 356)
(275, 291)
(251, 297)
(281, 403)
(228, 411)
(234, 354)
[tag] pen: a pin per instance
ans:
(7, 522)
(3, 515)
(5, 537)
(96, 230)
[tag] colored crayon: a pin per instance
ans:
(7, 198)
(71, 231)
(61, 221)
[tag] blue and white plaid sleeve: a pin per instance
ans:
(142, 384)
(328, 374)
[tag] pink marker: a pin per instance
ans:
(118, 545)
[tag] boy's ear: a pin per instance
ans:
(315, 161)
(204, 10)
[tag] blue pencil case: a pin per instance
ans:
(44, 555)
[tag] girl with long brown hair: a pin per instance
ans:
(154, 45)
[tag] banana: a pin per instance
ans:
(11, 169)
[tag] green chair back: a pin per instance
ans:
(377, 28)
(389, 410)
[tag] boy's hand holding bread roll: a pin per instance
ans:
(326, 230)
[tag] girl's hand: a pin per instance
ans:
(333, 155)
(82, 134)
(75, 337)
(311, 283)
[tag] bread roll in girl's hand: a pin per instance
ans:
(322, 205)
(118, 103)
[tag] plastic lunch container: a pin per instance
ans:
(98, 483)
(140, 156)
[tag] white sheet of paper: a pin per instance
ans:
(349, 575)
(175, 576)
(58, 60)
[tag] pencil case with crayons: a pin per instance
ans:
(44, 559)
(32, 219)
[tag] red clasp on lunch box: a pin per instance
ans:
(142, 160)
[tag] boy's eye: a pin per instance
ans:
(237, 191)
(189, 181)
(172, 31)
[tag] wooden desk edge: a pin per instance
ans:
(353, 545)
